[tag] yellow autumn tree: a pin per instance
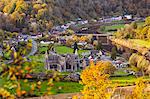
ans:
(140, 63)
(96, 82)
(21, 6)
(15, 5)
(6, 8)
(42, 13)
(5, 94)
(147, 21)
(75, 38)
(132, 31)
(83, 38)
(148, 34)
(138, 92)
(37, 6)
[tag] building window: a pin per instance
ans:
(53, 67)
(68, 66)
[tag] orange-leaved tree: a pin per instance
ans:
(96, 81)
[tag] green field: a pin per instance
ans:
(120, 72)
(115, 27)
(66, 87)
(67, 50)
(60, 49)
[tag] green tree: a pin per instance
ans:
(99, 45)
(134, 25)
(114, 53)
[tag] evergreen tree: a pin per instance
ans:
(75, 47)
(113, 53)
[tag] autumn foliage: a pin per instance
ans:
(133, 31)
(138, 91)
(96, 82)
(140, 62)
(16, 73)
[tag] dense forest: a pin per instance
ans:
(40, 15)
(87, 9)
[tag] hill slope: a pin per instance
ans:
(70, 9)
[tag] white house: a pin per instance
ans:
(129, 17)
(50, 42)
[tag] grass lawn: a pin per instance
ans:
(120, 72)
(60, 49)
(126, 80)
(38, 58)
(65, 50)
(43, 48)
(114, 27)
(140, 23)
(141, 43)
(66, 87)
(123, 78)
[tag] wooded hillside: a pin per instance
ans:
(69, 9)
(20, 13)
